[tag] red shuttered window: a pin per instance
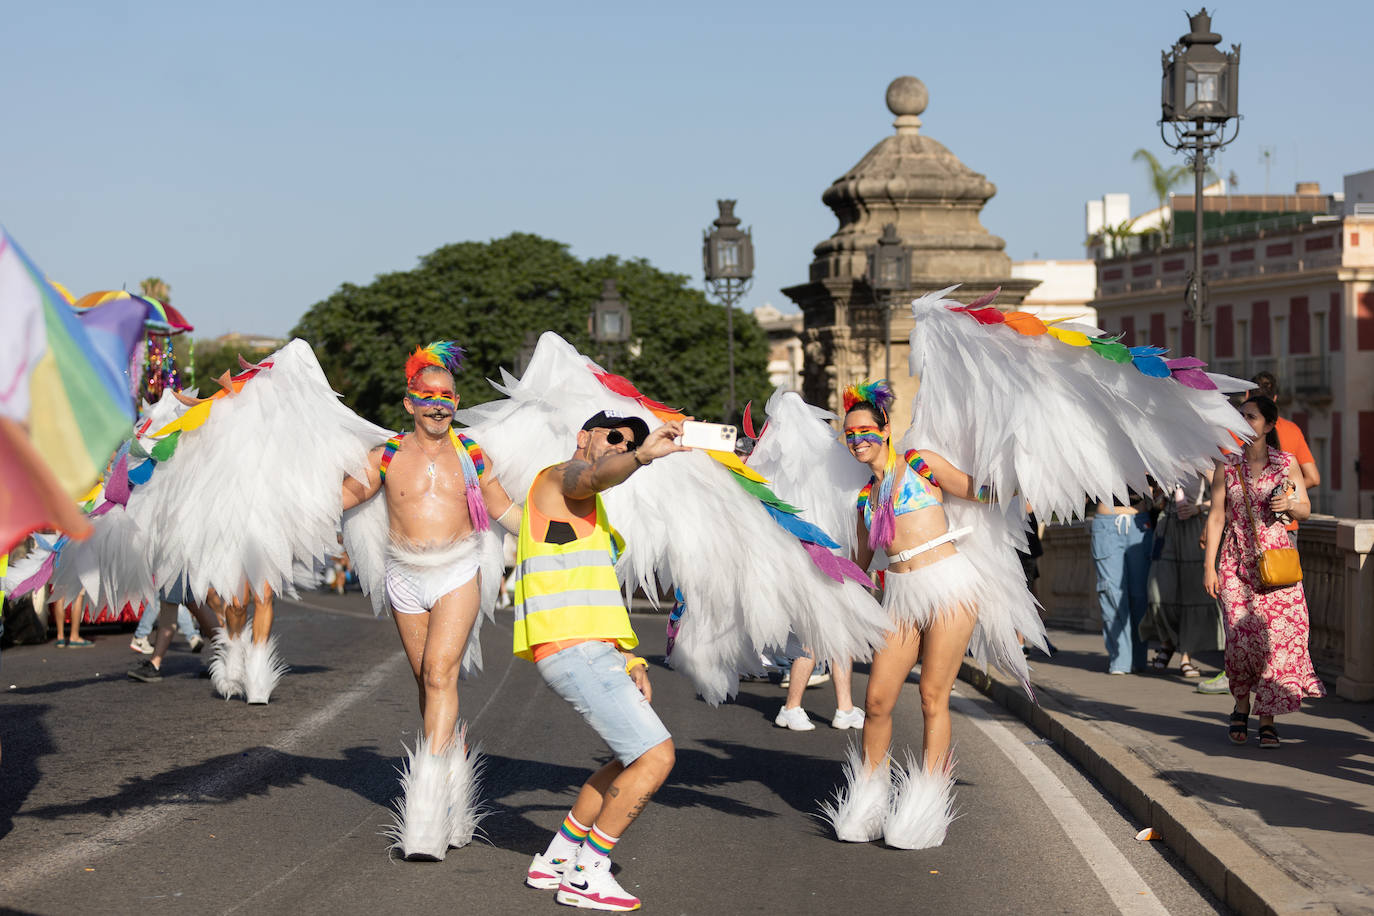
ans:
(1299, 326)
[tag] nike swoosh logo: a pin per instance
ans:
(578, 887)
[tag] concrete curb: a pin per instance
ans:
(1241, 877)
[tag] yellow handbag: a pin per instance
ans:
(1279, 567)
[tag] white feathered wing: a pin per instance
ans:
(800, 452)
(256, 488)
(687, 523)
(1046, 423)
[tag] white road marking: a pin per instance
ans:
(39, 868)
(1122, 882)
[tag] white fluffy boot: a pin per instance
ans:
(227, 663)
(262, 669)
(861, 804)
(464, 809)
(423, 827)
(922, 805)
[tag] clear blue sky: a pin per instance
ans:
(258, 155)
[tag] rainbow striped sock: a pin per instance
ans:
(567, 840)
(599, 844)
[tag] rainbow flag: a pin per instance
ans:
(75, 404)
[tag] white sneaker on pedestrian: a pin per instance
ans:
(141, 645)
(848, 718)
(196, 643)
(1219, 684)
(795, 719)
(815, 679)
(594, 889)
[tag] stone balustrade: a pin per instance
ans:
(1338, 577)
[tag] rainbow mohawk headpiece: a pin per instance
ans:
(443, 354)
(877, 392)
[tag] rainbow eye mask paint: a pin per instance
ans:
(426, 398)
(863, 435)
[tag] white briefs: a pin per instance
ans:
(416, 578)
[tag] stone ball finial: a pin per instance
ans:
(907, 97)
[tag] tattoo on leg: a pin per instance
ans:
(613, 792)
(639, 806)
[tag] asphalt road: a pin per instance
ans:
(121, 797)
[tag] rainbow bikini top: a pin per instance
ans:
(916, 490)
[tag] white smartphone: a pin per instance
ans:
(716, 437)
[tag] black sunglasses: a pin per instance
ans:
(615, 437)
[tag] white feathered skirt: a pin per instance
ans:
(919, 596)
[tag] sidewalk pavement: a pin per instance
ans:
(1268, 831)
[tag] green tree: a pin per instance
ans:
(212, 360)
(488, 295)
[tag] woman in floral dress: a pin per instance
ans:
(1266, 628)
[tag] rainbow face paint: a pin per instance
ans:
(426, 398)
(863, 435)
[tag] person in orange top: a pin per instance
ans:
(1291, 439)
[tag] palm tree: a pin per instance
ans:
(1162, 181)
(157, 288)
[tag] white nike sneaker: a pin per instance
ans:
(594, 889)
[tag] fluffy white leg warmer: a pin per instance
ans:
(424, 823)
(227, 663)
(922, 805)
(861, 804)
(262, 669)
(464, 809)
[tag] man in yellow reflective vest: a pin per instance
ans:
(571, 621)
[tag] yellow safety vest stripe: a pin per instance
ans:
(569, 591)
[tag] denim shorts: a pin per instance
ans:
(591, 676)
(174, 592)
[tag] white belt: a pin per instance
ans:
(930, 545)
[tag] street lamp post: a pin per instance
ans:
(525, 354)
(727, 253)
(609, 322)
(889, 270)
(1198, 97)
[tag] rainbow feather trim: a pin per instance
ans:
(1187, 370)
(816, 543)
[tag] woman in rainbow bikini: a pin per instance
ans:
(930, 592)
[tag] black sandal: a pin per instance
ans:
(1269, 737)
(1161, 660)
(1239, 728)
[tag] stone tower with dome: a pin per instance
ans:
(934, 200)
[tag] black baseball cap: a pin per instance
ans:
(610, 419)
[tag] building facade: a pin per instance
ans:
(1066, 291)
(785, 354)
(1292, 294)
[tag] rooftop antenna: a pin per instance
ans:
(1266, 158)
